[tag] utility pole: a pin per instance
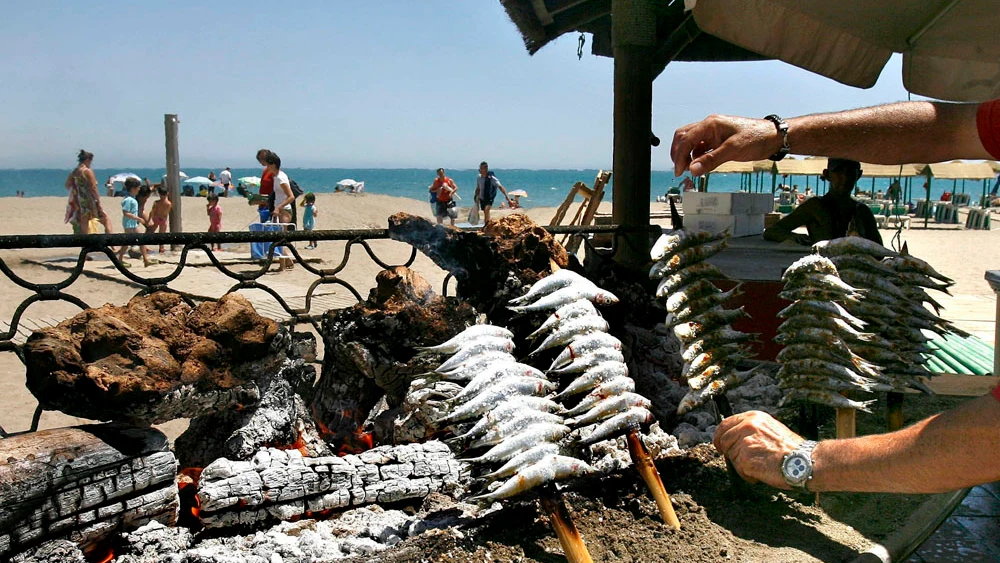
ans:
(170, 122)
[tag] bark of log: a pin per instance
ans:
(490, 266)
(83, 484)
(280, 419)
(278, 484)
(371, 349)
(153, 360)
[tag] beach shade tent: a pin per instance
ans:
(197, 180)
(122, 176)
(957, 170)
(949, 52)
(902, 172)
(351, 185)
(518, 193)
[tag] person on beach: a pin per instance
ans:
(109, 187)
(265, 208)
(948, 451)
(280, 188)
(832, 215)
(84, 200)
(487, 185)
(444, 188)
(214, 218)
(131, 220)
(226, 179)
(160, 212)
(309, 213)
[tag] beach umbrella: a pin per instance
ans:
(347, 183)
(519, 193)
(949, 49)
(197, 180)
(249, 180)
(181, 174)
(122, 176)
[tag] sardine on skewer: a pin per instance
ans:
(455, 343)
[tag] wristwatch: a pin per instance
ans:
(783, 131)
(797, 466)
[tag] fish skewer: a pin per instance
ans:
(569, 536)
(647, 470)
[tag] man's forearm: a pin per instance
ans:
(897, 133)
(949, 451)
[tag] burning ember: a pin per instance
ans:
(187, 490)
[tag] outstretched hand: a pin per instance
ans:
(701, 147)
(756, 443)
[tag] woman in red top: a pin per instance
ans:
(445, 188)
(266, 187)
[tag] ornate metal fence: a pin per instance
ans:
(247, 278)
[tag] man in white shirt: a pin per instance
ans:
(226, 178)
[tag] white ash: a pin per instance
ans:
(422, 406)
(54, 551)
(280, 484)
(356, 532)
(611, 456)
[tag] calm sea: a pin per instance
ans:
(545, 188)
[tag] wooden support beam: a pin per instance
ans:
(573, 17)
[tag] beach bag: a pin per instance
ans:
(296, 190)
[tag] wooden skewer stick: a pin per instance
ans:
(569, 536)
(647, 470)
(894, 411)
(846, 422)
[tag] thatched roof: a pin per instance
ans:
(890, 170)
(803, 167)
(733, 167)
(959, 170)
(677, 36)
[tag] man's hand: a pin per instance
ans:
(756, 443)
(701, 147)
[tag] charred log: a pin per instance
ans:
(82, 484)
(490, 266)
(279, 484)
(154, 360)
(370, 348)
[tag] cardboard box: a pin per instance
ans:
(710, 222)
(749, 225)
(771, 219)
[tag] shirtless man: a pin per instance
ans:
(830, 216)
(161, 212)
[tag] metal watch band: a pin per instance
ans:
(805, 450)
(783, 131)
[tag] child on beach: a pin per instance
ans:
(214, 218)
(309, 216)
(160, 212)
(131, 219)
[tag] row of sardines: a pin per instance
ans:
(856, 323)
(710, 347)
(525, 427)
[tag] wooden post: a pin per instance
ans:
(893, 411)
(170, 122)
(647, 470)
(562, 523)
(633, 36)
(846, 423)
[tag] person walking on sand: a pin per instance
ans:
(444, 189)
(131, 219)
(84, 200)
(487, 185)
(309, 213)
(281, 199)
(214, 218)
(226, 179)
(160, 212)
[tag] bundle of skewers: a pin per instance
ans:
(711, 348)
(817, 362)
(894, 307)
(514, 409)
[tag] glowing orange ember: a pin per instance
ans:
(187, 487)
(104, 554)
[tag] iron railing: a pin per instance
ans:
(247, 278)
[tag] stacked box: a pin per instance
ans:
(741, 213)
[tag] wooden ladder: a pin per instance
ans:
(588, 208)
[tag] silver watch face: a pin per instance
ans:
(796, 468)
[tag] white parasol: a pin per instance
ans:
(518, 193)
(122, 176)
(249, 180)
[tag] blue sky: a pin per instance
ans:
(394, 84)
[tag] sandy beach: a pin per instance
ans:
(964, 255)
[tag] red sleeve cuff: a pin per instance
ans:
(988, 124)
(996, 392)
